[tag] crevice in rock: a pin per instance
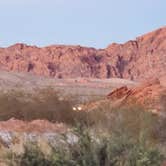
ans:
(30, 67)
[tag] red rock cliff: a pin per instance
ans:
(139, 59)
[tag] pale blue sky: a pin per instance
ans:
(95, 23)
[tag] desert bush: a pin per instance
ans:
(44, 104)
(110, 150)
(32, 156)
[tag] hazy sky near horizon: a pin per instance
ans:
(93, 23)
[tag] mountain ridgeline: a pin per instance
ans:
(136, 60)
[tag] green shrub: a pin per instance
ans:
(95, 151)
(32, 156)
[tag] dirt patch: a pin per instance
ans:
(39, 126)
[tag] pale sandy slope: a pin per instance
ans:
(82, 88)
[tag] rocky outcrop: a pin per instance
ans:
(143, 58)
(136, 60)
(147, 94)
(37, 126)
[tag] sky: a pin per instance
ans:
(93, 23)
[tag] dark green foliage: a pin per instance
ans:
(33, 157)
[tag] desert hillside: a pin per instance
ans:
(107, 108)
(136, 59)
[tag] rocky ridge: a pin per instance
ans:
(149, 94)
(137, 59)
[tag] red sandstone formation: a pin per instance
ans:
(138, 59)
(39, 126)
(147, 94)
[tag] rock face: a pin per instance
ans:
(147, 94)
(139, 59)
